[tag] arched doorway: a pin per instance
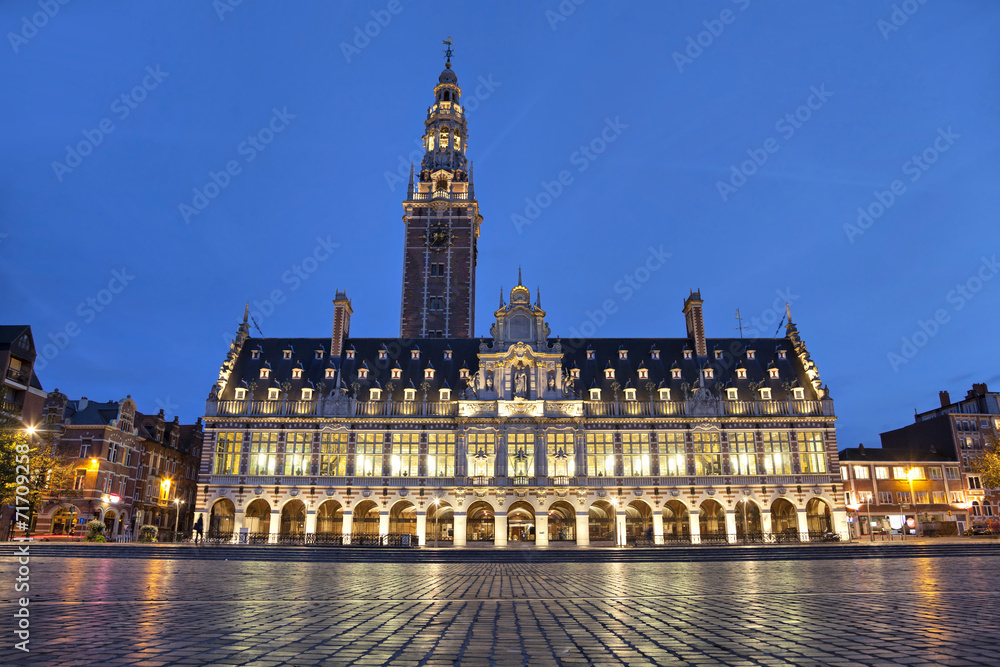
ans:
(293, 522)
(602, 522)
(638, 522)
(330, 523)
(676, 522)
(365, 522)
(440, 524)
(258, 521)
(712, 522)
(222, 520)
(818, 519)
(748, 522)
(784, 521)
(521, 522)
(480, 522)
(64, 521)
(403, 519)
(562, 522)
(110, 523)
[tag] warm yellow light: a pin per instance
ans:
(912, 474)
(94, 464)
(30, 430)
(165, 483)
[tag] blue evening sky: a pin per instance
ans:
(834, 100)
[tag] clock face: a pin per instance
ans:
(438, 238)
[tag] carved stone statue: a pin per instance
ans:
(521, 383)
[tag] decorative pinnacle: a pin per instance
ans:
(519, 275)
(448, 53)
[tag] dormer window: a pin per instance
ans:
(307, 394)
(687, 354)
(272, 394)
(397, 373)
(732, 393)
(296, 373)
(675, 373)
(362, 373)
(319, 354)
(444, 394)
(741, 374)
(709, 373)
(655, 355)
(255, 354)
(718, 355)
(609, 373)
(374, 394)
(415, 354)
(751, 354)
(782, 354)
(428, 373)
(798, 393)
(643, 374)
(409, 394)
(765, 394)
(350, 355)
(595, 394)
(463, 373)
(241, 394)
(447, 355)
(590, 355)
(383, 355)
(265, 373)
(630, 394)
(623, 354)
(286, 354)
(664, 393)
(773, 372)
(574, 373)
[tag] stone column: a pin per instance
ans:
(583, 528)
(803, 524)
(310, 521)
(731, 525)
(620, 535)
(657, 527)
(765, 520)
(274, 526)
(541, 529)
(695, 525)
(500, 529)
(348, 524)
(458, 519)
(383, 522)
(421, 527)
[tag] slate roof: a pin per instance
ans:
(638, 353)
(858, 455)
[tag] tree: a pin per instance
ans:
(987, 464)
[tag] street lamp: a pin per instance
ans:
(177, 515)
(910, 475)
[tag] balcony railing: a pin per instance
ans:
(439, 194)
(12, 409)
(19, 375)
(406, 408)
(722, 408)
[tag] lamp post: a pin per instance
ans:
(910, 474)
(177, 515)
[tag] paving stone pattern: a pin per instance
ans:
(920, 611)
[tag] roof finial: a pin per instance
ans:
(788, 312)
(501, 297)
(518, 275)
(448, 53)
(246, 313)
(538, 299)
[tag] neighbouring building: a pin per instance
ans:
(21, 394)
(130, 467)
(442, 437)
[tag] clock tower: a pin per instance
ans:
(441, 218)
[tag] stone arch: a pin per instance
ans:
(330, 518)
(365, 518)
(784, 520)
(64, 520)
(440, 523)
(480, 522)
(601, 522)
(403, 518)
(293, 519)
(712, 520)
(676, 521)
(562, 522)
(749, 520)
(819, 519)
(638, 521)
(110, 519)
(521, 522)
(222, 519)
(257, 516)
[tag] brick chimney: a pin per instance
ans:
(341, 323)
(978, 389)
(695, 323)
(945, 398)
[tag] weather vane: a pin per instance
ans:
(448, 53)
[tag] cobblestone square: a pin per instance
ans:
(134, 611)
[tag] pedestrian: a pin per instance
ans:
(199, 526)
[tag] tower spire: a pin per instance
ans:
(448, 52)
(519, 276)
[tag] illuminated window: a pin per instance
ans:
(601, 454)
(751, 354)
(333, 455)
(881, 472)
(368, 454)
(397, 373)
(415, 354)
(482, 453)
(241, 394)
(298, 454)
(773, 372)
(861, 472)
(934, 472)
(296, 373)
(742, 453)
(330, 373)
(405, 454)
(782, 354)
(272, 394)
(265, 372)
(635, 454)
(673, 454)
(630, 394)
(765, 394)
(885, 497)
(741, 374)
(263, 453)
(732, 393)
(687, 354)
(812, 453)
(777, 453)
(798, 393)
(939, 497)
(350, 354)
(718, 355)
(447, 355)
(623, 354)
(609, 373)
(382, 355)
(675, 373)
(228, 445)
(463, 374)
(643, 374)
(255, 354)
(307, 394)
(664, 393)
(319, 354)
(707, 454)
(428, 373)
(654, 354)
(590, 355)
(898, 472)
(595, 394)
(560, 454)
(286, 354)
(709, 373)
(362, 373)
(951, 472)
(374, 394)
(444, 394)
(409, 394)
(440, 454)
(520, 454)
